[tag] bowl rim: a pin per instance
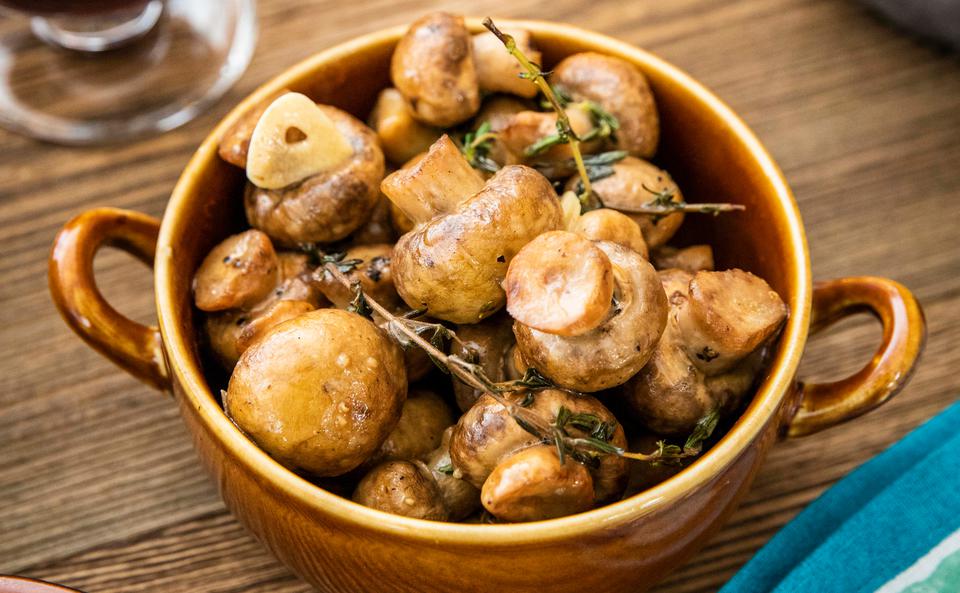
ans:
(764, 406)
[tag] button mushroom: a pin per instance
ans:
(486, 435)
(671, 394)
(619, 88)
(500, 72)
(314, 170)
(595, 338)
(237, 273)
(689, 259)
(258, 299)
(532, 485)
(319, 393)
(424, 418)
(401, 136)
(636, 182)
(467, 232)
(433, 67)
(403, 488)
(605, 224)
(459, 496)
(492, 342)
(727, 316)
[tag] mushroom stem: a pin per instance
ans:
(435, 184)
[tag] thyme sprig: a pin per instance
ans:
(533, 73)
(663, 203)
(432, 338)
(476, 148)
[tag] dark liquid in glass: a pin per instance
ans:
(72, 7)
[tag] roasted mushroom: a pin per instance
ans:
(378, 228)
(373, 272)
(459, 496)
(467, 232)
(671, 394)
(403, 488)
(422, 421)
(237, 274)
(689, 259)
(319, 393)
(315, 172)
(433, 68)
(605, 224)
(533, 484)
(492, 343)
(486, 435)
(585, 350)
(619, 88)
(497, 70)
(727, 316)
(634, 183)
(291, 293)
(235, 142)
(401, 136)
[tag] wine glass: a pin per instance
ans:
(95, 71)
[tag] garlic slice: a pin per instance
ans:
(294, 140)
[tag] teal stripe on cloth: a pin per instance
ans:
(871, 525)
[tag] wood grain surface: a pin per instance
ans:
(99, 487)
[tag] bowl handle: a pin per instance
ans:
(823, 405)
(136, 348)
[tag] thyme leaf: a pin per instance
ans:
(476, 148)
(359, 304)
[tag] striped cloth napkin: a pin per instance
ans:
(891, 526)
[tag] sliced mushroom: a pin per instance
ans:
(433, 67)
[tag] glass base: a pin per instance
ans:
(80, 81)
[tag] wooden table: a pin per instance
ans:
(99, 487)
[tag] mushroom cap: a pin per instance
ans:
(319, 392)
(606, 224)
(532, 485)
(402, 488)
(559, 283)
(328, 206)
(454, 264)
(424, 417)
(619, 87)
(614, 351)
(237, 274)
(433, 67)
(632, 185)
(492, 341)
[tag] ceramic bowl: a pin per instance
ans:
(339, 546)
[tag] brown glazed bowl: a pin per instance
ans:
(339, 546)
